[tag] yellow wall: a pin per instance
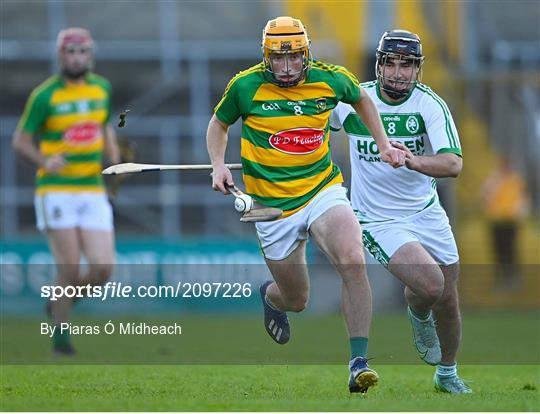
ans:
(342, 21)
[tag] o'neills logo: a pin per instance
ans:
(297, 140)
(83, 133)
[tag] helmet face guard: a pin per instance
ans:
(399, 47)
(284, 39)
(73, 39)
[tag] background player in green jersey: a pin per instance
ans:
(404, 226)
(69, 114)
(285, 103)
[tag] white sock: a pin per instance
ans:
(446, 370)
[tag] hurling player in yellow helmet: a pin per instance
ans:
(285, 103)
(286, 51)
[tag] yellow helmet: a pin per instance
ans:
(285, 35)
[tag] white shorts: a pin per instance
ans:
(279, 238)
(429, 227)
(88, 211)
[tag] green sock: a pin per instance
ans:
(358, 346)
(61, 339)
(419, 316)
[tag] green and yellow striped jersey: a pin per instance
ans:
(285, 145)
(69, 120)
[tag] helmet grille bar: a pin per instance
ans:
(284, 34)
(405, 39)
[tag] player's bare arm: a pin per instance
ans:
(368, 113)
(442, 165)
(23, 144)
(216, 142)
(111, 144)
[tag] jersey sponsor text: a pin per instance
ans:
(297, 140)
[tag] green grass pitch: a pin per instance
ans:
(255, 388)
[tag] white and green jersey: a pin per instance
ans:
(424, 124)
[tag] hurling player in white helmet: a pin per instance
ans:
(404, 226)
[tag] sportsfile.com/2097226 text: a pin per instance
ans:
(186, 290)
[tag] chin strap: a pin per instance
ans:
(395, 94)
